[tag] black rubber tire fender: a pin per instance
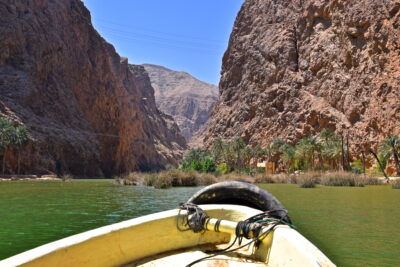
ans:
(240, 193)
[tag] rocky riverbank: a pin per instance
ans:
(29, 178)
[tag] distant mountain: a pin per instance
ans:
(188, 100)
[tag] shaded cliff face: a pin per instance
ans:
(188, 100)
(83, 106)
(295, 67)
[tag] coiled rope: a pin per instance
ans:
(196, 219)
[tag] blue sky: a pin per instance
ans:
(184, 35)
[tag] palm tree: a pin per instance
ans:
(326, 135)
(218, 148)
(389, 148)
(6, 134)
(302, 152)
(247, 154)
(194, 155)
(20, 138)
(237, 146)
(381, 165)
(268, 153)
(325, 138)
(332, 150)
(228, 154)
(274, 150)
(258, 152)
(314, 147)
(288, 156)
(276, 146)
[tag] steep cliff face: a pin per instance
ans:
(188, 100)
(294, 67)
(82, 104)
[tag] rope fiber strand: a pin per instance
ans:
(252, 228)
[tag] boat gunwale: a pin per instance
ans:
(298, 243)
(52, 247)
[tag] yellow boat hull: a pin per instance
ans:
(154, 240)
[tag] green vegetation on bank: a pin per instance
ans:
(390, 149)
(12, 137)
(325, 151)
(67, 178)
(396, 184)
(224, 157)
(175, 177)
(321, 159)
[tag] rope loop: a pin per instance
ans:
(216, 226)
(195, 218)
(252, 228)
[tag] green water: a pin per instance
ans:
(352, 226)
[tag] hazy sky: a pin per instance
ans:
(185, 35)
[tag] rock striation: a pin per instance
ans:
(188, 100)
(85, 106)
(294, 67)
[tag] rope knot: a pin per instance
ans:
(194, 219)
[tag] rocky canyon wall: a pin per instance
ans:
(84, 105)
(294, 67)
